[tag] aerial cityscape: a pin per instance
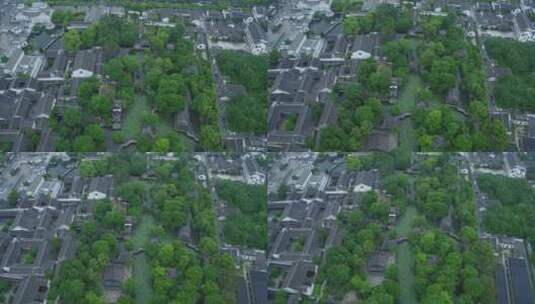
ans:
(267, 151)
(129, 228)
(267, 228)
(293, 75)
(373, 228)
(419, 76)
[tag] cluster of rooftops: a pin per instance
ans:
(33, 85)
(300, 82)
(49, 204)
(302, 226)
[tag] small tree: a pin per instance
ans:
(71, 41)
(13, 198)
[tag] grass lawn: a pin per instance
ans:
(404, 258)
(134, 117)
(133, 122)
(407, 103)
(142, 269)
(407, 136)
(142, 279)
(142, 233)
